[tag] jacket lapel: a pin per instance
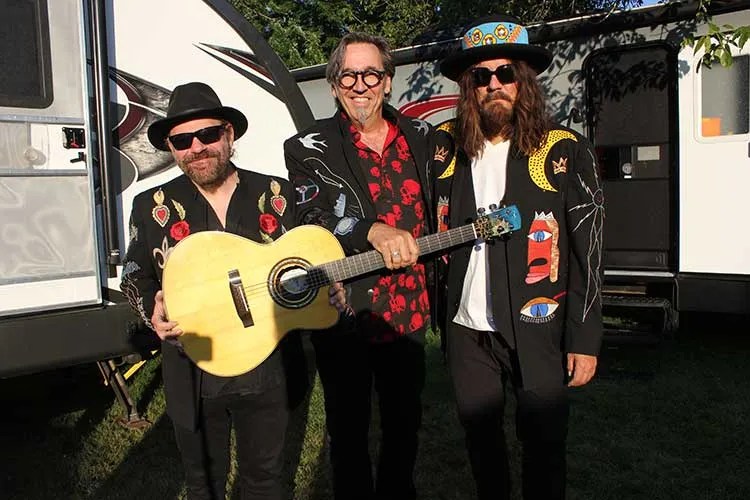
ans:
(463, 208)
(352, 165)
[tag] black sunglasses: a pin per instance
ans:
(207, 135)
(370, 77)
(505, 75)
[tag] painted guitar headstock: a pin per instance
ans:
(497, 221)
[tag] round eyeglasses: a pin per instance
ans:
(370, 77)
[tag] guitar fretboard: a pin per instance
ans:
(366, 262)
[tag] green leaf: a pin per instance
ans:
(726, 58)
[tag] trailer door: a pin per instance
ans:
(630, 112)
(48, 251)
(715, 165)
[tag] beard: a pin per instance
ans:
(362, 116)
(495, 116)
(207, 177)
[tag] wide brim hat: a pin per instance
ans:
(495, 37)
(192, 101)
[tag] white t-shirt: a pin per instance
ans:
(488, 172)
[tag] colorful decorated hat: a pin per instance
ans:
(495, 37)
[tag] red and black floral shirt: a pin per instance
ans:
(400, 303)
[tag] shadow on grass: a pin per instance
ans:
(45, 421)
(151, 469)
(679, 433)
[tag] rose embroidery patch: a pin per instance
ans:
(267, 222)
(181, 228)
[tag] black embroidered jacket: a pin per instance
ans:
(333, 192)
(261, 209)
(545, 278)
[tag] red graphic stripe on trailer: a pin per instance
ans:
(430, 106)
(135, 116)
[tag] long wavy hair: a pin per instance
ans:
(527, 127)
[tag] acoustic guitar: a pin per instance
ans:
(235, 299)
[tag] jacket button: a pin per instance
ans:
(370, 292)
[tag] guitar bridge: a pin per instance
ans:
(239, 298)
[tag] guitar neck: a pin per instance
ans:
(366, 262)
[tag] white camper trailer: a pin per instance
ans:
(81, 81)
(672, 141)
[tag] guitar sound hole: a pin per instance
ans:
(289, 284)
(294, 281)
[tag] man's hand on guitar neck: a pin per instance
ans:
(337, 297)
(164, 328)
(398, 247)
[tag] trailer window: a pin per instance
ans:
(724, 98)
(629, 93)
(25, 78)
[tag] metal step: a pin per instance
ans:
(619, 306)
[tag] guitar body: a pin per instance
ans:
(232, 299)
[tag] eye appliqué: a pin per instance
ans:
(539, 236)
(539, 310)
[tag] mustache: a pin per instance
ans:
(191, 157)
(496, 95)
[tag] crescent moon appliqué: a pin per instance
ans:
(539, 158)
(448, 127)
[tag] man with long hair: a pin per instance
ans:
(526, 309)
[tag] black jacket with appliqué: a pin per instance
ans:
(546, 277)
(261, 209)
(332, 190)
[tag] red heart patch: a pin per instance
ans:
(278, 203)
(160, 214)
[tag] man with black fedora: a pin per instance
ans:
(524, 310)
(213, 194)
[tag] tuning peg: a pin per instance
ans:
(493, 207)
(480, 210)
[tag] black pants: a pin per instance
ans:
(348, 366)
(481, 363)
(260, 422)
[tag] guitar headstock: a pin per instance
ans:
(497, 222)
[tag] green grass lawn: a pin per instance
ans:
(658, 422)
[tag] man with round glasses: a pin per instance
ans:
(525, 310)
(366, 175)
(214, 195)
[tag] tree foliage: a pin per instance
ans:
(303, 32)
(719, 41)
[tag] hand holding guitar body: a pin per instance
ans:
(164, 328)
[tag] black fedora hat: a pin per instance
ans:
(189, 102)
(495, 37)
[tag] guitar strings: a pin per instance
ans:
(310, 283)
